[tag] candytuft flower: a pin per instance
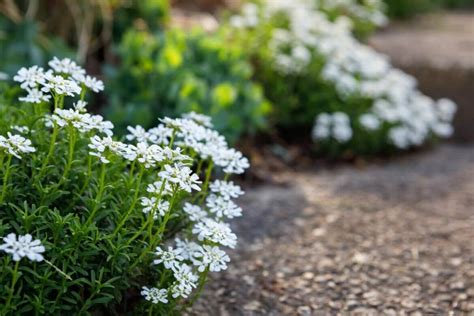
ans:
(212, 257)
(155, 295)
(22, 247)
(170, 258)
(16, 145)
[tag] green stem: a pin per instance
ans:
(83, 92)
(51, 149)
(12, 288)
(88, 175)
(134, 201)
(205, 186)
(200, 287)
(5, 178)
(159, 233)
(98, 198)
(72, 143)
(132, 173)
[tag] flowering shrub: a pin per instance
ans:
(319, 71)
(175, 72)
(93, 225)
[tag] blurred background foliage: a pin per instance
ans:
(410, 8)
(34, 30)
(153, 70)
(177, 71)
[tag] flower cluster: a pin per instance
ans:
(396, 110)
(127, 198)
(65, 78)
(194, 135)
(16, 145)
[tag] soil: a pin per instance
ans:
(395, 238)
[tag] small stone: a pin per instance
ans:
(252, 306)
(455, 262)
(304, 310)
(318, 232)
(360, 258)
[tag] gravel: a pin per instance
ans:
(393, 238)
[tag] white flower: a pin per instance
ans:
(232, 161)
(195, 212)
(101, 146)
(147, 155)
(158, 207)
(188, 248)
(16, 145)
(35, 96)
(137, 133)
(399, 136)
(30, 77)
(21, 129)
(80, 106)
(157, 188)
(369, 121)
(186, 281)
(83, 122)
(209, 229)
(170, 258)
(60, 85)
(200, 119)
(181, 175)
(443, 129)
(92, 83)
(160, 135)
(222, 206)
(446, 109)
(336, 125)
(212, 257)
(155, 295)
(174, 124)
(66, 66)
(226, 189)
(25, 246)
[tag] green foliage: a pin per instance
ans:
(149, 14)
(409, 8)
(176, 72)
(23, 44)
(35, 31)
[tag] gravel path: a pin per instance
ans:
(393, 239)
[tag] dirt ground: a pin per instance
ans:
(393, 238)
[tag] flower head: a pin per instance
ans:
(212, 257)
(155, 295)
(16, 145)
(170, 258)
(24, 246)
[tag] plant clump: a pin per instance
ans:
(95, 224)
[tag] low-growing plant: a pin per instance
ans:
(314, 70)
(176, 72)
(94, 225)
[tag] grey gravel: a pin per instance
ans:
(392, 238)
